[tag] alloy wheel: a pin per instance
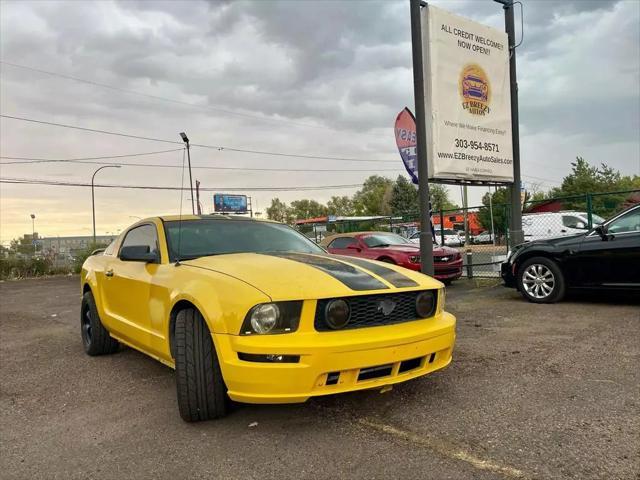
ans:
(538, 281)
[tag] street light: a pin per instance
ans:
(93, 198)
(33, 232)
(185, 139)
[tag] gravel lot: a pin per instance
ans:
(533, 392)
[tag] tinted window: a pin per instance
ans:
(342, 242)
(629, 222)
(571, 221)
(383, 239)
(144, 235)
(204, 237)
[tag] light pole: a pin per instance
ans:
(33, 232)
(93, 198)
(185, 139)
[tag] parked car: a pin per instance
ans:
(482, 237)
(392, 248)
(607, 256)
(537, 226)
(254, 311)
(451, 238)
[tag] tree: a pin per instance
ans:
(301, 209)
(342, 206)
(499, 199)
(279, 211)
(585, 178)
(440, 198)
(23, 245)
(373, 198)
(404, 197)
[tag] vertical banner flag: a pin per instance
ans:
(468, 99)
(405, 129)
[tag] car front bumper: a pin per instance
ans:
(506, 272)
(363, 358)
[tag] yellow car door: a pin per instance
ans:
(128, 285)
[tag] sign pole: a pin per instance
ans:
(426, 239)
(516, 235)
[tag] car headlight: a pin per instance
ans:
(337, 313)
(277, 317)
(425, 303)
(414, 258)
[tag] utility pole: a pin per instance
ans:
(186, 141)
(426, 238)
(93, 199)
(33, 232)
(516, 236)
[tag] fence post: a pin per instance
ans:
(506, 224)
(441, 227)
(589, 211)
(469, 255)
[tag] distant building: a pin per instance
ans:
(70, 246)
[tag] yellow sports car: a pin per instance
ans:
(255, 312)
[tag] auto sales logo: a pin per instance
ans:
(475, 90)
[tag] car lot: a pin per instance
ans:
(533, 392)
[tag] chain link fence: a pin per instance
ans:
(481, 233)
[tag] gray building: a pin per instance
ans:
(70, 246)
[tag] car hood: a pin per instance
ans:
(298, 276)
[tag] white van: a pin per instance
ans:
(537, 226)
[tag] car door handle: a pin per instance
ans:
(109, 273)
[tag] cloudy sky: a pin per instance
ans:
(317, 78)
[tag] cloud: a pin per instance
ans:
(342, 67)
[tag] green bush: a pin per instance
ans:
(13, 267)
(83, 255)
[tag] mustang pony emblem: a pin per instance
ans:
(386, 307)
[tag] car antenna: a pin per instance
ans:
(177, 264)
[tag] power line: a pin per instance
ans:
(65, 183)
(160, 165)
(172, 100)
(27, 160)
(214, 147)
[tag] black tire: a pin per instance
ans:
(202, 393)
(387, 260)
(540, 280)
(447, 282)
(95, 338)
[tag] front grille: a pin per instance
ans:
(367, 311)
(449, 258)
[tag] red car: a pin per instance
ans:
(392, 248)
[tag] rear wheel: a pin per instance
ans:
(95, 338)
(202, 394)
(387, 260)
(540, 280)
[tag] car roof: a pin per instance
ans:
(213, 216)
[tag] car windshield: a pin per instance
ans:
(384, 239)
(204, 237)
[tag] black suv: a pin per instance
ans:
(607, 256)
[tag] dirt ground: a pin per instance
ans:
(548, 391)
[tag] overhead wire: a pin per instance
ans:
(67, 183)
(174, 142)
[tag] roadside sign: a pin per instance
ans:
(468, 100)
(225, 203)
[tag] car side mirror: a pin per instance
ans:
(138, 253)
(603, 232)
(581, 225)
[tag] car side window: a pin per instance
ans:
(142, 236)
(630, 222)
(571, 221)
(342, 242)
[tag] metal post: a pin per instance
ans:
(589, 211)
(33, 233)
(465, 205)
(193, 209)
(426, 238)
(441, 227)
(493, 236)
(516, 234)
(93, 198)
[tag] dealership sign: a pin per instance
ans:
(225, 203)
(468, 103)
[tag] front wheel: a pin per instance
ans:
(202, 394)
(95, 338)
(540, 280)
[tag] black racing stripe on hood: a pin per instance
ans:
(352, 277)
(394, 278)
